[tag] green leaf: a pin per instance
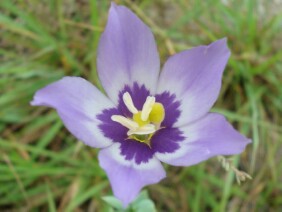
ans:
(113, 202)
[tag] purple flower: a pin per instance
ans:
(147, 116)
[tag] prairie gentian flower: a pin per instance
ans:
(147, 116)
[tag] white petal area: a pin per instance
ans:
(194, 76)
(127, 53)
(210, 136)
(126, 177)
(77, 102)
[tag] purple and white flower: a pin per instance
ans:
(147, 116)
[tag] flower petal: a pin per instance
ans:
(127, 177)
(127, 53)
(210, 136)
(195, 77)
(77, 102)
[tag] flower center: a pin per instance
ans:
(143, 124)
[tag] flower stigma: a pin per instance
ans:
(143, 124)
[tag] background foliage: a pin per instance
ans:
(44, 168)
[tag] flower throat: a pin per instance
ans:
(143, 124)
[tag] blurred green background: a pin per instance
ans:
(44, 168)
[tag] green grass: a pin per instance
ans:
(44, 168)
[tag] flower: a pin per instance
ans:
(147, 116)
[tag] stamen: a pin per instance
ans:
(129, 103)
(147, 107)
(143, 124)
(128, 123)
(145, 130)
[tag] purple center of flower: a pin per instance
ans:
(142, 124)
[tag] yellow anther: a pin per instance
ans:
(137, 118)
(157, 114)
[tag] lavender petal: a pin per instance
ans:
(127, 177)
(127, 53)
(195, 77)
(77, 102)
(210, 136)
